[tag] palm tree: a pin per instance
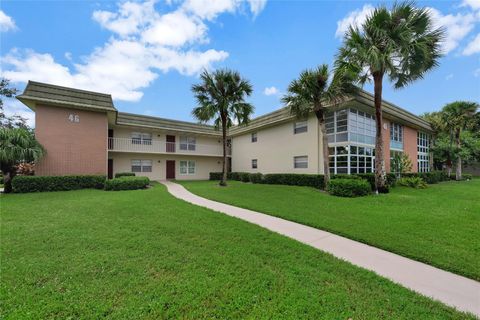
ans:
(17, 145)
(400, 43)
(457, 116)
(221, 98)
(312, 92)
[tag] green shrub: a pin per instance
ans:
(215, 176)
(126, 183)
(244, 176)
(429, 177)
(256, 178)
(234, 176)
(345, 176)
(412, 182)
(124, 174)
(467, 176)
(349, 187)
(292, 179)
(22, 184)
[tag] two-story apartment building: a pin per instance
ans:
(84, 133)
(278, 142)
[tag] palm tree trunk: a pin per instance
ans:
(326, 161)
(380, 176)
(458, 169)
(223, 182)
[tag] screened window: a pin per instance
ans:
(254, 164)
(351, 159)
(254, 137)
(396, 136)
(394, 167)
(300, 126)
(300, 162)
(141, 165)
(187, 143)
(423, 149)
(187, 167)
(350, 125)
(141, 138)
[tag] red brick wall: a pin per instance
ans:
(72, 147)
(410, 145)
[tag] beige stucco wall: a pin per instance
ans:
(275, 148)
(205, 144)
(204, 165)
(72, 147)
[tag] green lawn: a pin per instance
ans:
(143, 254)
(439, 225)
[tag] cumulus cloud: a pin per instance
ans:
(472, 47)
(474, 4)
(13, 107)
(456, 26)
(144, 44)
(6, 22)
(354, 18)
(270, 91)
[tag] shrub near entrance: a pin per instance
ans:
(349, 187)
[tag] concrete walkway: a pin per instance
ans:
(451, 289)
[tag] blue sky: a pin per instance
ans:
(147, 54)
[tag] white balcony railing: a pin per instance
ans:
(156, 146)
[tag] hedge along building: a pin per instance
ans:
(84, 133)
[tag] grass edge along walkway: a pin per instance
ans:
(447, 287)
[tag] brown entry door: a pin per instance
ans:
(110, 168)
(170, 169)
(170, 143)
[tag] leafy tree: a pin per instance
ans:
(400, 43)
(17, 145)
(312, 92)
(457, 117)
(221, 98)
(15, 121)
(401, 163)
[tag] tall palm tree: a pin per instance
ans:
(400, 43)
(221, 98)
(17, 145)
(313, 93)
(457, 116)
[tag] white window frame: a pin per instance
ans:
(144, 165)
(141, 138)
(254, 163)
(254, 137)
(186, 165)
(297, 161)
(188, 143)
(300, 126)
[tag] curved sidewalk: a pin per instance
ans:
(451, 289)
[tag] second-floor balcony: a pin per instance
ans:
(158, 146)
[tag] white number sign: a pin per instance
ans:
(74, 118)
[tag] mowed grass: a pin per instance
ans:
(143, 254)
(439, 225)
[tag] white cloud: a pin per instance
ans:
(257, 6)
(6, 23)
(14, 107)
(474, 4)
(476, 72)
(473, 46)
(449, 76)
(145, 43)
(208, 9)
(456, 26)
(270, 91)
(356, 18)
(175, 29)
